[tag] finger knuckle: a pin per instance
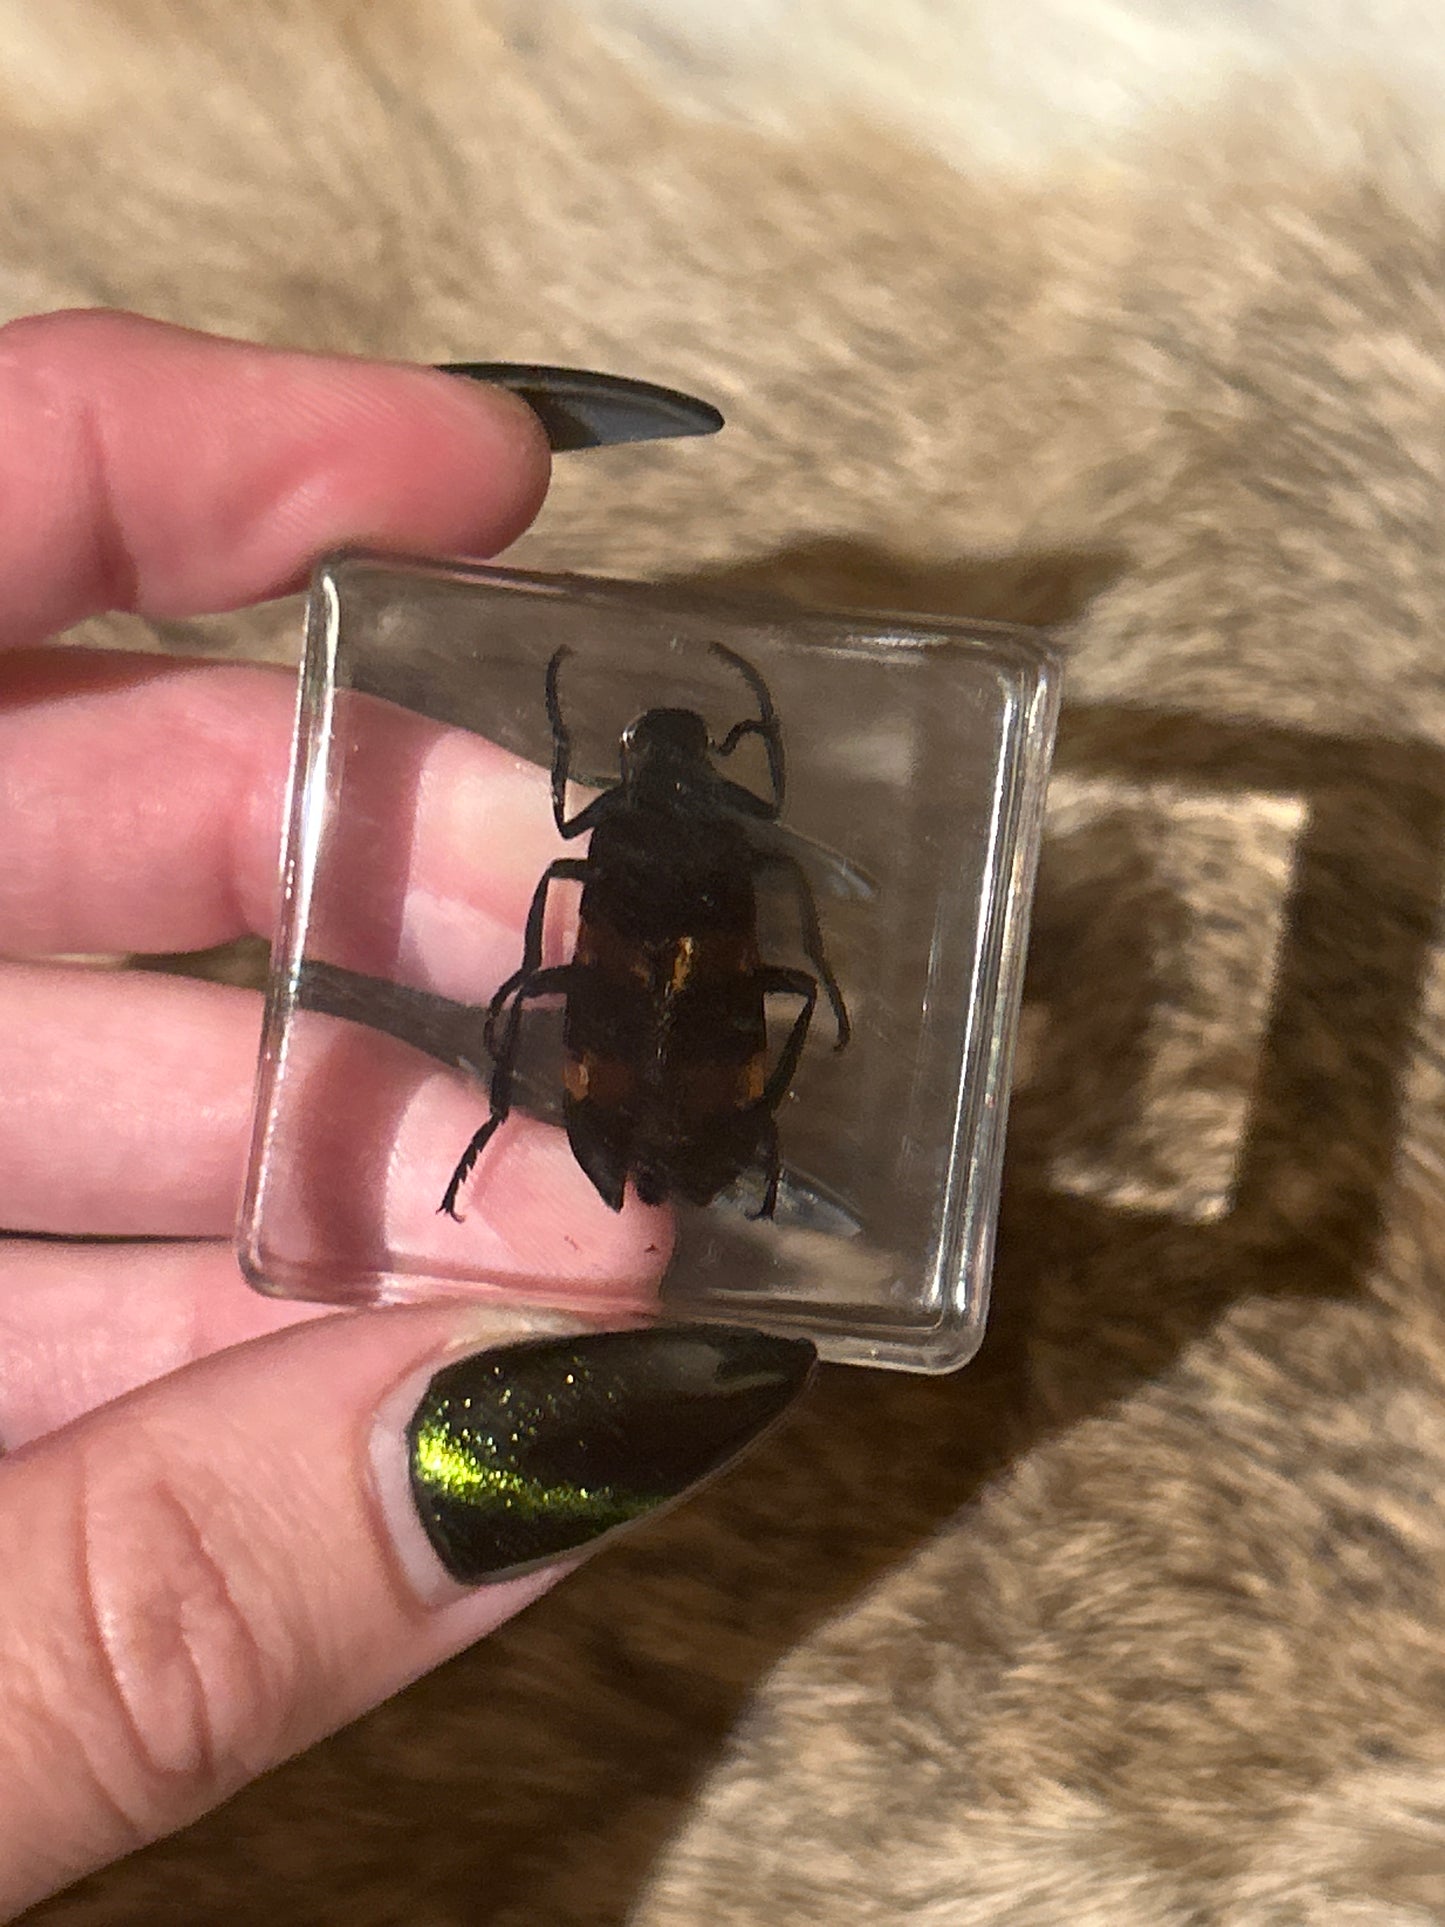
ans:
(196, 1650)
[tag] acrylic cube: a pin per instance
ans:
(656, 1045)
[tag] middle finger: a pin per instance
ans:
(125, 1101)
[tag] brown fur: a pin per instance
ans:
(1139, 1620)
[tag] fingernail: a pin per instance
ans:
(580, 408)
(522, 1454)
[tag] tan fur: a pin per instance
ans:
(1141, 1619)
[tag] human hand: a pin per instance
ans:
(233, 1525)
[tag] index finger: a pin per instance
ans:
(150, 468)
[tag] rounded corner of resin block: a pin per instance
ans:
(256, 1267)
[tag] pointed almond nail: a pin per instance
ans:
(582, 409)
(520, 1455)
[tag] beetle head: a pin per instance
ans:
(663, 742)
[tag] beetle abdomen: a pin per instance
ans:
(666, 1052)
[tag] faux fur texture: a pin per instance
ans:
(1140, 1621)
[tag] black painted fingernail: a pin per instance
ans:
(582, 409)
(524, 1453)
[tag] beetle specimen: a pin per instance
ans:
(665, 1028)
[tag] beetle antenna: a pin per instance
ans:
(561, 741)
(554, 710)
(766, 714)
(764, 724)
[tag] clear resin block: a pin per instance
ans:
(675, 1133)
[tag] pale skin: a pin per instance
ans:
(208, 1565)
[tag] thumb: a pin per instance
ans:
(218, 1569)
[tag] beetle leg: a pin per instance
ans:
(464, 1165)
(771, 1159)
(776, 980)
(589, 816)
(541, 983)
(571, 869)
(812, 937)
(501, 1105)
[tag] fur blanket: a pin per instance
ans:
(1084, 316)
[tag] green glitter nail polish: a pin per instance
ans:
(522, 1454)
